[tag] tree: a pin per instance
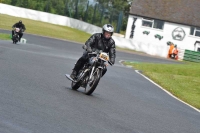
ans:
(58, 6)
(5, 1)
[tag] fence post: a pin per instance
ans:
(93, 19)
(47, 7)
(119, 22)
(76, 10)
(102, 14)
(86, 12)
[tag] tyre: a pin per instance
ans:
(91, 86)
(75, 85)
(14, 39)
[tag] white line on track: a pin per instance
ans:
(137, 71)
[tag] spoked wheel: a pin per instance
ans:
(93, 82)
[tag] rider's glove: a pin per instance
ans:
(89, 50)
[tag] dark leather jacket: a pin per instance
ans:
(17, 25)
(97, 41)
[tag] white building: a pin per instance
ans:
(161, 21)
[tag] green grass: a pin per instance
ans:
(45, 29)
(5, 36)
(182, 80)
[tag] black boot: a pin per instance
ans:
(12, 34)
(79, 64)
(73, 74)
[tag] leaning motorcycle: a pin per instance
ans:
(89, 76)
(15, 36)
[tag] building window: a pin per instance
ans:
(147, 22)
(195, 31)
(152, 23)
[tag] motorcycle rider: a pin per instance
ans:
(98, 41)
(22, 28)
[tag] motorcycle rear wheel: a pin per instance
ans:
(75, 85)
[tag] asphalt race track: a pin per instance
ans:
(35, 96)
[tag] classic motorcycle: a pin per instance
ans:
(89, 76)
(15, 37)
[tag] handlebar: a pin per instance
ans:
(93, 53)
(84, 47)
(20, 29)
(96, 52)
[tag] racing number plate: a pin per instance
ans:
(104, 56)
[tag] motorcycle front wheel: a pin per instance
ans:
(93, 82)
(14, 39)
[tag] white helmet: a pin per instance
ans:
(108, 28)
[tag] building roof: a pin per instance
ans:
(178, 11)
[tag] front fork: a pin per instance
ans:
(92, 72)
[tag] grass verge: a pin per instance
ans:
(45, 29)
(4, 36)
(182, 80)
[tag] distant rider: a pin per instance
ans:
(22, 28)
(100, 41)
